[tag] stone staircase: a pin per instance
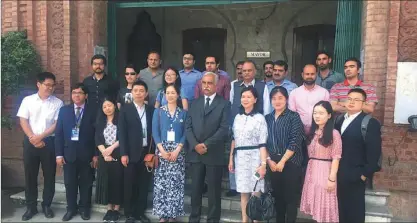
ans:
(376, 203)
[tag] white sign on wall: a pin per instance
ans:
(258, 54)
(406, 92)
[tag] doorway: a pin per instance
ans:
(307, 41)
(204, 42)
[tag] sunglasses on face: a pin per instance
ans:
(130, 73)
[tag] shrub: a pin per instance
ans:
(19, 59)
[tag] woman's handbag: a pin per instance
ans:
(261, 208)
(151, 160)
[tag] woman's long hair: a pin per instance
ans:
(178, 90)
(102, 118)
(177, 81)
(327, 136)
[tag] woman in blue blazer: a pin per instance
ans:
(168, 129)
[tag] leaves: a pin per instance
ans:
(18, 59)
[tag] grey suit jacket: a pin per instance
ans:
(209, 126)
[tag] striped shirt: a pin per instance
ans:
(340, 91)
(286, 132)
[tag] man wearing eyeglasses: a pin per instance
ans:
(189, 76)
(360, 156)
(339, 92)
(38, 114)
(223, 82)
(75, 151)
(99, 84)
(125, 95)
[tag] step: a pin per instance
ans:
(226, 215)
(377, 213)
(376, 197)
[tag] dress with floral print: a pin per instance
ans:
(169, 180)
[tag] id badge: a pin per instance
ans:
(75, 132)
(144, 133)
(171, 136)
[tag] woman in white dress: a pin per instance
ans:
(248, 149)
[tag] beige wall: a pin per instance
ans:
(171, 21)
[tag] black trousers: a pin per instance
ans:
(214, 178)
(115, 177)
(77, 175)
(32, 158)
(286, 186)
(136, 184)
(351, 199)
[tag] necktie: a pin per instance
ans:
(207, 103)
(77, 115)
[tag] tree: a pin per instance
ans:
(19, 59)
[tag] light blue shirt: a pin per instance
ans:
(188, 82)
(285, 83)
(160, 97)
(162, 122)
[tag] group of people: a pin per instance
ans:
(275, 130)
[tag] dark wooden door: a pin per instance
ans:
(203, 42)
(307, 41)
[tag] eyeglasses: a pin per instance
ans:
(130, 73)
(49, 85)
(354, 100)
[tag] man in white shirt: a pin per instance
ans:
(38, 114)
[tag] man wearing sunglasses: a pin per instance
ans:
(125, 95)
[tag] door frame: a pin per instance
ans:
(112, 7)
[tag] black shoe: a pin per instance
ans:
(130, 219)
(48, 212)
(30, 212)
(115, 217)
(85, 215)
(69, 215)
(143, 218)
(231, 193)
(108, 216)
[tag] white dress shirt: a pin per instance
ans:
(42, 114)
(266, 105)
(348, 120)
(211, 98)
(142, 115)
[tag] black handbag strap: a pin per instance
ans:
(254, 188)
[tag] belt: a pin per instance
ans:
(327, 160)
(244, 148)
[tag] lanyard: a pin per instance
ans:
(77, 120)
(141, 116)
(172, 119)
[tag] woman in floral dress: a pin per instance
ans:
(248, 149)
(319, 197)
(168, 129)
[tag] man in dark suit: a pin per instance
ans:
(207, 129)
(360, 156)
(75, 151)
(135, 128)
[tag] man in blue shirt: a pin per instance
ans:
(279, 75)
(189, 76)
(326, 77)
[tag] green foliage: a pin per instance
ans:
(18, 60)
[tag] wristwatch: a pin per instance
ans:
(268, 158)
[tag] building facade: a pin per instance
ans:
(67, 33)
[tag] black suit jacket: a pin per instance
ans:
(130, 132)
(84, 148)
(359, 157)
(211, 127)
